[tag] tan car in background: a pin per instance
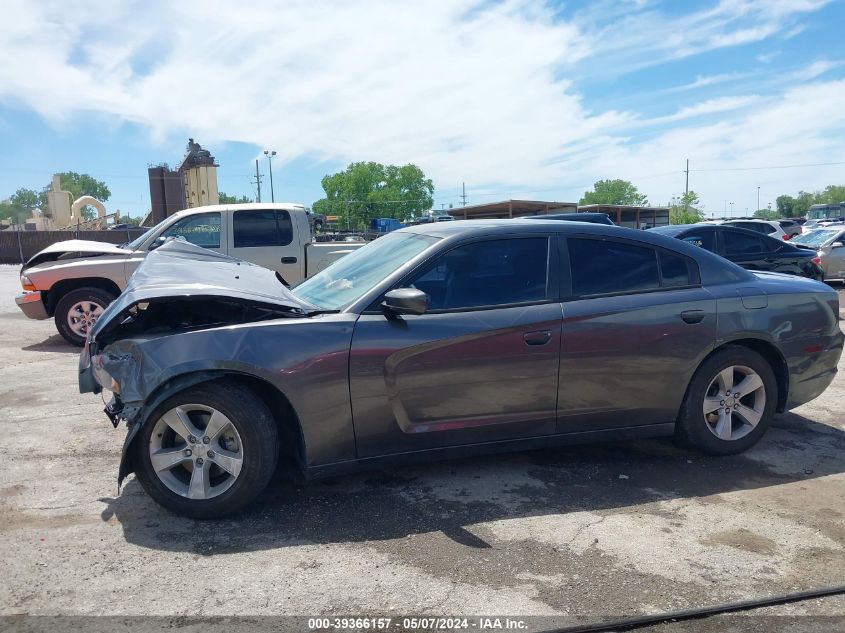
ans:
(829, 242)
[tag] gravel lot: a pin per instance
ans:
(602, 530)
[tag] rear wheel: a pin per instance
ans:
(730, 402)
(207, 451)
(78, 311)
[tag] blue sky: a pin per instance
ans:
(521, 98)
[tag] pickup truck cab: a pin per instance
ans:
(73, 281)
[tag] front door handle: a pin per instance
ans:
(540, 337)
(288, 260)
(692, 316)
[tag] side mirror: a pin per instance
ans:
(837, 245)
(157, 242)
(405, 301)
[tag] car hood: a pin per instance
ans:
(180, 270)
(71, 249)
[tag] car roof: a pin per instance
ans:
(244, 206)
(712, 266)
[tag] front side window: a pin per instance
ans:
(488, 273)
(604, 267)
(737, 243)
(261, 228)
(202, 229)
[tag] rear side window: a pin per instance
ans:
(604, 267)
(261, 228)
(675, 271)
(601, 267)
(737, 243)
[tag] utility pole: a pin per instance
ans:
(758, 198)
(257, 181)
(269, 154)
(686, 186)
(464, 194)
(732, 209)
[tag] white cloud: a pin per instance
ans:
(702, 81)
(471, 91)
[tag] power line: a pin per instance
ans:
(769, 167)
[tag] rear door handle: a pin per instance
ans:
(288, 260)
(540, 337)
(692, 316)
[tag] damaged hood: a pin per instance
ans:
(180, 269)
(76, 248)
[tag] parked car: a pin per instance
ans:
(595, 218)
(771, 228)
(749, 249)
(829, 247)
(790, 227)
(74, 281)
(447, 339)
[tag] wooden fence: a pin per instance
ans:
(16, 247)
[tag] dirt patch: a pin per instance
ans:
(742, 539)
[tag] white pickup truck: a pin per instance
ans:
(74, 281)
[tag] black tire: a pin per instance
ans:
(258, 435)
(95, 296)
(692, 427)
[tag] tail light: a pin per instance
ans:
(785, 237)
(817, 261)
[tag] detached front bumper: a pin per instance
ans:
(32, 304)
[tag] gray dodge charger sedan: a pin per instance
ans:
(446, 339)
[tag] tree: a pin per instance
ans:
(128, 219)
(786, 206)
(20, 206)
(684, 212)
(767, 214)
(225, 198)
(832, 194)
(364, 191)
(614, 192)
(81, 185)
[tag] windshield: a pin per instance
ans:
(134, 244)
(356, 274)
(815, 238)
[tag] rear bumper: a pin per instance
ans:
(32, 304)
(811, 377)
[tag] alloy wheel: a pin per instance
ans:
(196, 451)
(82, 316)
(734, 402)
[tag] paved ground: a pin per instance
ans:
(605, 530)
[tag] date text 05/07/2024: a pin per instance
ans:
(412, 623)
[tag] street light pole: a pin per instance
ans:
(732, 209)
(269, 154)
(758, 198)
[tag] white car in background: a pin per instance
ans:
(772, 228)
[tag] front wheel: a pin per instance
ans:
(78, 311)
(730, 402)
(207, 451)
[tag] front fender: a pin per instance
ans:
(141, 414)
